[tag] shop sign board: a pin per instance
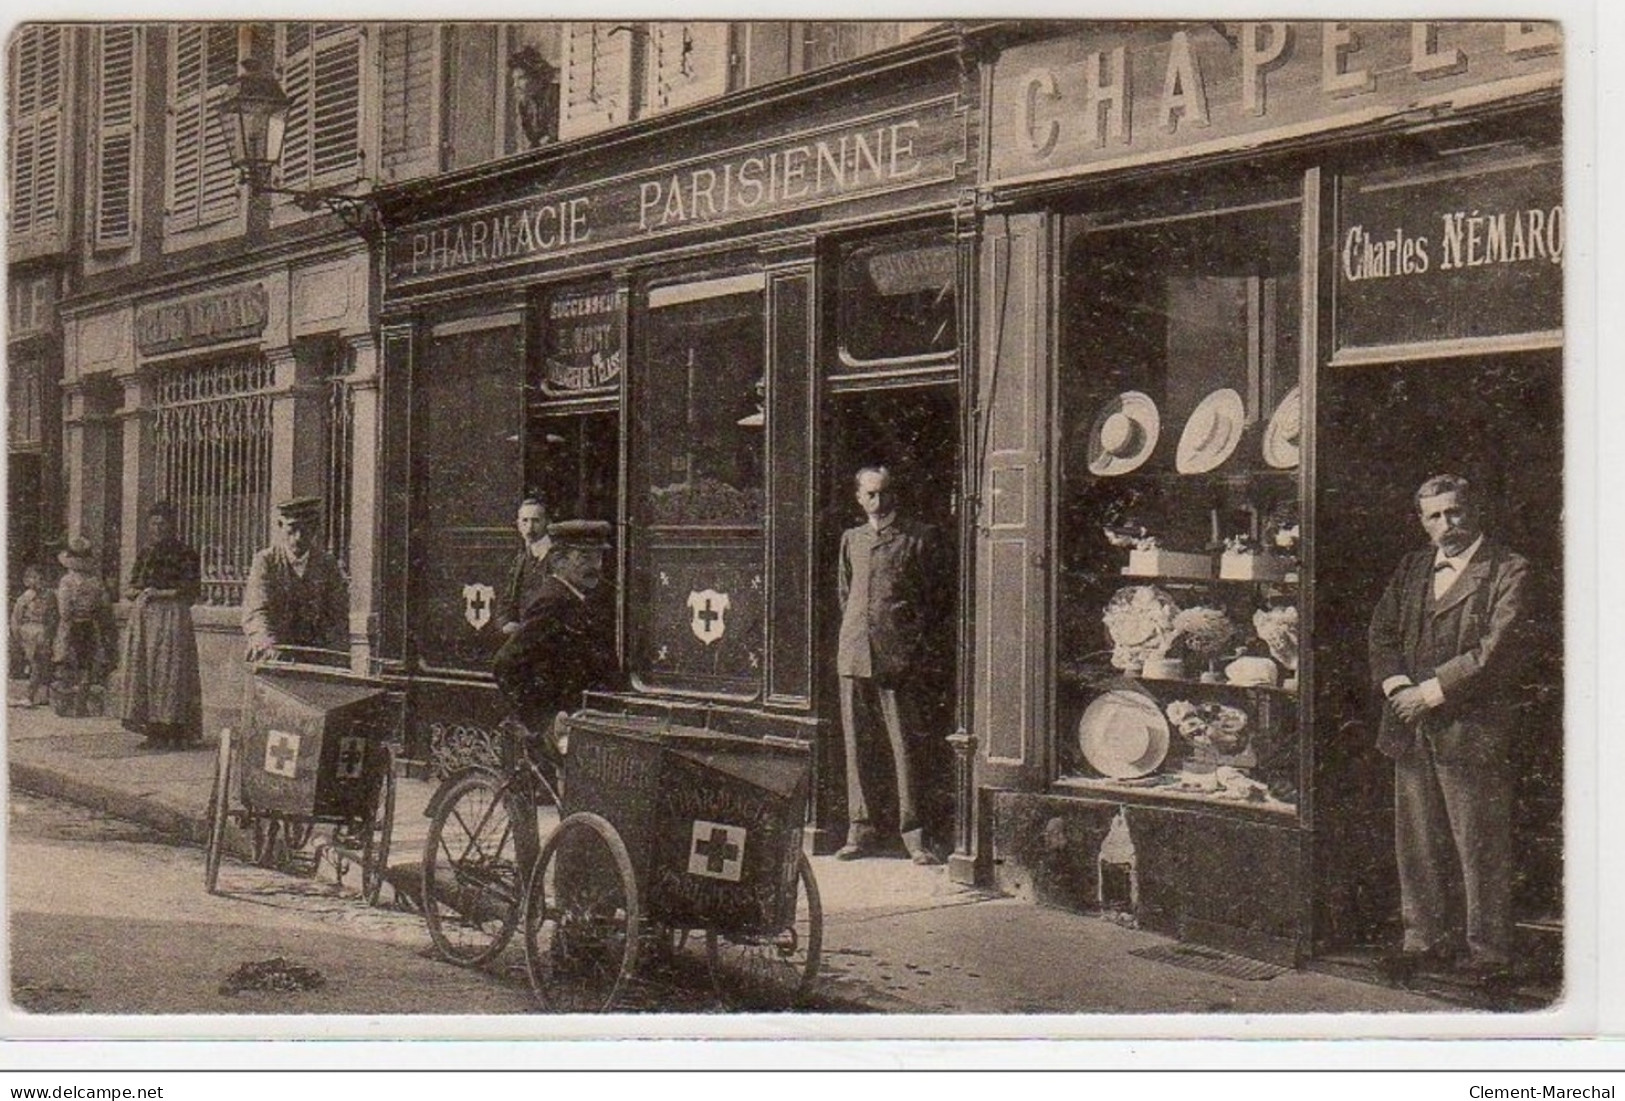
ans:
(231, 314)
(905, 148)
(1454, 256)
(1121, 96)
(584, 340)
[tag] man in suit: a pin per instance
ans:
(529, 568)
(886, 588)
(296, 595)
(563, 646)
(1446, 644)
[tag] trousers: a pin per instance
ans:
(895, 713)
(1453, 840)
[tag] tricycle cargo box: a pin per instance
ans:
(713, 822)
(313, 745)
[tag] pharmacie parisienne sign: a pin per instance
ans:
(905, 148)
(1097, 100)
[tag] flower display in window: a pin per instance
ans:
(1140, 621)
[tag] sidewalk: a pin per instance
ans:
(897, 938)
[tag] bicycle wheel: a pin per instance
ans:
(780, 965)
(219, 811)
(581, 917)
(471, 872)
(377, 833)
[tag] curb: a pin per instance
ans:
(139, 809)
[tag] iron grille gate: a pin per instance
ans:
(212, 444)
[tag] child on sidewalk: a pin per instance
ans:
(86, 634)
(33, 629)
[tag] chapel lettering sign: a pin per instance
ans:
(202, 319)
(889, 151)
(1095, 100)
(1465, 257)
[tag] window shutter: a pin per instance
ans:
(115, 138)
(410, 95)
(202, 182)
(36, 151)
(687, 63)
(322, 77)
(597, 78)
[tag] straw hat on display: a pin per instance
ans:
(1123, 734)
(1124, 434)
(1281, 437)
(1212, 432)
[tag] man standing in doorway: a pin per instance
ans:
(886, 581)
(1445, 648)
(296, 594)
(529, 564)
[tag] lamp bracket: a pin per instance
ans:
(358, 212)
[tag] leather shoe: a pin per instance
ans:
(1402, 967)
(925, 858)
(1486, 974)
(853, 851)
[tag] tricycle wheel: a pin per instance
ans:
(780, 965)
(267, 830)
(375, 847)
(470, 871)
(581, 917)
(219, 811)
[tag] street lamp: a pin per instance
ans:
(255, 119)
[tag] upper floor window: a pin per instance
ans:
(117, 79)
(36, 94)
(774, 50)
(409, 100)
(24, 396)
(202, 184)
(321, 73)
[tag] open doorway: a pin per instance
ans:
(913, 431)
(1382, 431)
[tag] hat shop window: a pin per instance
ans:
(1178, 530)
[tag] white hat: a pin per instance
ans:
(1211, 433)
(1123, 734)
(1281, 437)
(1124, 434)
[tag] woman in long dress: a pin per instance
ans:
(162, 695)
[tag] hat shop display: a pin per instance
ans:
(1123, 734)
(1212, 433)
(1281, 435)
(1124, 434)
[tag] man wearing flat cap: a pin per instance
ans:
(564, 643)
(296, 594)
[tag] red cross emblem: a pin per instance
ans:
(282, 753)
(717, 851)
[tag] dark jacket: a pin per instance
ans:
(888, 585)
(1474, 639)
(562, 648)
(525, 579)
(281, 608)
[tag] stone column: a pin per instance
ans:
(364, 493)
(135, 419)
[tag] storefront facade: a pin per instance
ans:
(696, 327)
(1242, 287)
